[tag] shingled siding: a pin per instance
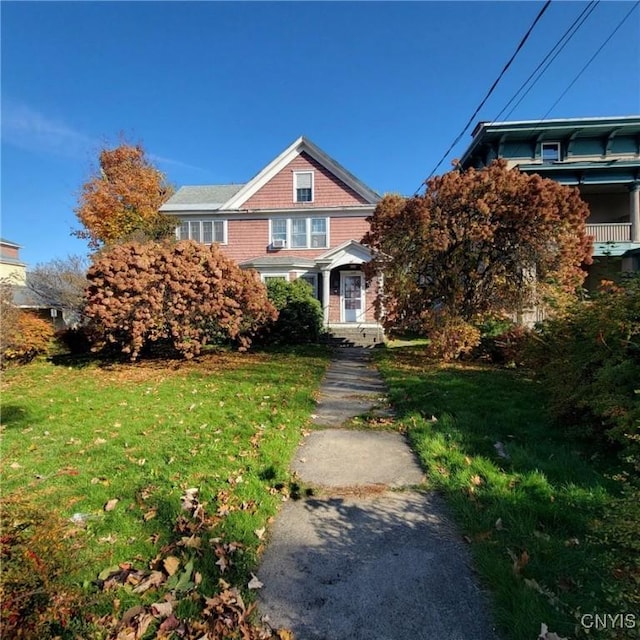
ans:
(250, 238)
(329, 191)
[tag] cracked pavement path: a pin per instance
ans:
(371, 556)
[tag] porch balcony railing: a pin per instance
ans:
(610, 232)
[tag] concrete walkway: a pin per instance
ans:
(371, 556)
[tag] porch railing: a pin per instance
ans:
(610, 232)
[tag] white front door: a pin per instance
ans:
(352, 296)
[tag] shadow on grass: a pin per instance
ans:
(14, 416)
(525, 492)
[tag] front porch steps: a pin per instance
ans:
(355, 336)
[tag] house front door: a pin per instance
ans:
(352, 296)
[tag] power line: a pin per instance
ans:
(553, 54)
(493, 86)
(593, 57)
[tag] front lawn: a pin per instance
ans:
(102, 458)
(537, 506)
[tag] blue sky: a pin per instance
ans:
(215, 90)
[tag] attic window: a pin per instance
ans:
(550, 151)
(303, 186)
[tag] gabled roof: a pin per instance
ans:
(199, 198)
(301, 145)
(349, 252)
(228, 197)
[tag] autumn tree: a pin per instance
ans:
(122, 198)
(478, 242)
(185, 294)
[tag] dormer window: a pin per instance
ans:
(303, 186)
(550, 152)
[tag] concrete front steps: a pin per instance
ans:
(356, 335)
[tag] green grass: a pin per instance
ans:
(532, 519)
(75, 437)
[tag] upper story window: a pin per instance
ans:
(303, 186)
(299, 233)
(550, 151)
(205, 231)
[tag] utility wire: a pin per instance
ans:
(592, 58)
(493, 86)
(551, 56)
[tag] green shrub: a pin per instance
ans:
(590, 361)
(300, 313)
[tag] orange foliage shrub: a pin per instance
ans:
(451, 337)
(27, 338)
(35, 554)
(185, 293)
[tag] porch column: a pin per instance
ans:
(634, 207)
(326, 295)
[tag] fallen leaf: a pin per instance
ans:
(111, 504)
(162, 609)
(254, 583)
(476, 480)
(259, 532)
(110, 539)
(99, 441)
(16, 465)
(149, 515)
(500, 450)
(169, 624)
(171, 564)
(499, 525)
(519, 562)
(154, 579)
(545, 634)
(572, 542)
(193, 542)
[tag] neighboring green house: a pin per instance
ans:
(600, 156)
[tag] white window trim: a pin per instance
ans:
(225, 236)
(551, 143)
(289, 232)
(295, 186)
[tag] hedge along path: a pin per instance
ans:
(369, 553)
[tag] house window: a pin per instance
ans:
(318, 233)
(303, 186)
(550, 151)
(279, 232)
(312, 279)
(265, 277)
(205, 231)
(299, 233)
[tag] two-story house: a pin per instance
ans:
(600, 156)
(302, 216)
